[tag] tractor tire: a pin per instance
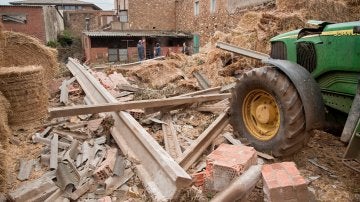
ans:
(267, 110)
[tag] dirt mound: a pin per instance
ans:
(4, 140)
(159, 74)
(18, 49)
(25, 89)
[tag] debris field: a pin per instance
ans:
(171, 140)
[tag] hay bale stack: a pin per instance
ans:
(159, 74)
(24, 87)
(4, 141)
(17, 49)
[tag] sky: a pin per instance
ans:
(103, 4)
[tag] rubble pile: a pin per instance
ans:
(81, 162)
(25, 89)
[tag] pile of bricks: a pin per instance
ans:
(224, 164)
(283, 182)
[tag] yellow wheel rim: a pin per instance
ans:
(261, 114)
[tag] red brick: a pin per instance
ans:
(226, 163)
(288, 185)
(283, 178)
(290, 167)
(198, 178)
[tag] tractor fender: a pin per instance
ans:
(308, 90)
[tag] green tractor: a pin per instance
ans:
(277, 106)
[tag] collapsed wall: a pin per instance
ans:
(25, 89)
(4, 141)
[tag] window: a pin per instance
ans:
(18, 18)
(212, 6)
(123, 15)
(196, 8)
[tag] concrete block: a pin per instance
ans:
(283, 182)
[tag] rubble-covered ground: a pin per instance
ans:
(320, 161)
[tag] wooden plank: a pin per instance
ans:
(231, 139)
(109, 107)
(211, 108)
(196, 149)
(171, 141)
(202, 80)
(54, 152)
(128, 87)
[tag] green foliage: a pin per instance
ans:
(52, 44)
(65, 39)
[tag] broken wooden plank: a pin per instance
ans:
(141, 104)
(72, 134)
(231, 139)
(164, 109)
(202, 80)
(228, 87)
(64, 94)
(54, 148)
(128, 87)
(211, 108)
(195, 150)
(171, 141)
(25, 169)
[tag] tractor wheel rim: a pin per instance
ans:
(261, 114)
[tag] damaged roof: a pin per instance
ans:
(137, 34)
(55, 2)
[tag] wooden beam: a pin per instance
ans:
(171, 141)
(141, 104)
(196, 149)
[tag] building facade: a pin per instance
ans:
(42, 22)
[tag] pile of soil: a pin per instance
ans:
(17, 49)
(25, 89)
(4, 141)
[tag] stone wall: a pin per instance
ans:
(152, 15)
(75, 20)
(54, 23)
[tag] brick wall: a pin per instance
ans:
(34, 26)
(152, 15)
(224, 18)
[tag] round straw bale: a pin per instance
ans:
(17, 49)
(24, 87)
